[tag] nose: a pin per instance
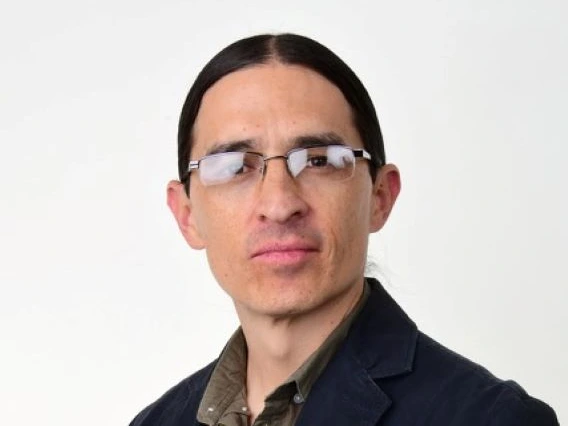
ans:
(279, 198)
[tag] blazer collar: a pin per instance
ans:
(381, 343)
(383, 338)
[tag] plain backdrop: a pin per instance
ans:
(103, 307)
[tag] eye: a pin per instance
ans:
(239, 171)
(317, 161)
(247, 163)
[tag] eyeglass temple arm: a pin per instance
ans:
(361, 153)
(193, 165)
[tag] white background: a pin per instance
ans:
(102, 305)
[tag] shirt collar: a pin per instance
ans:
(229, 376)
(226, 381)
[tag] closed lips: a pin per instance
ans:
(283, 248)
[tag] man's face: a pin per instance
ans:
(280, 246)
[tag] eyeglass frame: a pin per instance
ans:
(357, 153)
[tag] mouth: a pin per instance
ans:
(284, 254)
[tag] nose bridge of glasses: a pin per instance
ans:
(276, 157)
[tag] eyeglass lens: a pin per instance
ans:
(330, 162)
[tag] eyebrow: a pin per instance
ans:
(318, 139)
(302, 141)
(231, 146)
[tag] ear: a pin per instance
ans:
(385, 192)
(181, 208)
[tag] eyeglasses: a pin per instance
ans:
(317, 163)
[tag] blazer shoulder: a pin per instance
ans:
(178, 402)
(514, 407)
(465, 393)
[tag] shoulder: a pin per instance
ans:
(459, 391)
(177, 405)
(515, 407)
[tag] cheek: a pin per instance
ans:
(347, 223)
(222, 231)
(215, 223)
(223, 247)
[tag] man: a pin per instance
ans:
(282, 179)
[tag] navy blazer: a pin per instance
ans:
(388, 373)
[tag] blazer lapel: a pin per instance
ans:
(345, 395)
(381, 343)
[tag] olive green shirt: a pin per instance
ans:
(224, 401)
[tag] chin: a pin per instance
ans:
(278, 301)
(292, 303)
(285, 310)
(286, 295)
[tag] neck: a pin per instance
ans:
(278, 346)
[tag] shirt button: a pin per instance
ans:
(298, 399)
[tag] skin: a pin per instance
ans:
(290, 255)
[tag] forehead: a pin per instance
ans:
(272, 105)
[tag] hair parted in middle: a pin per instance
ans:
(289, 49)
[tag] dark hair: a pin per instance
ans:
(287, 49)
